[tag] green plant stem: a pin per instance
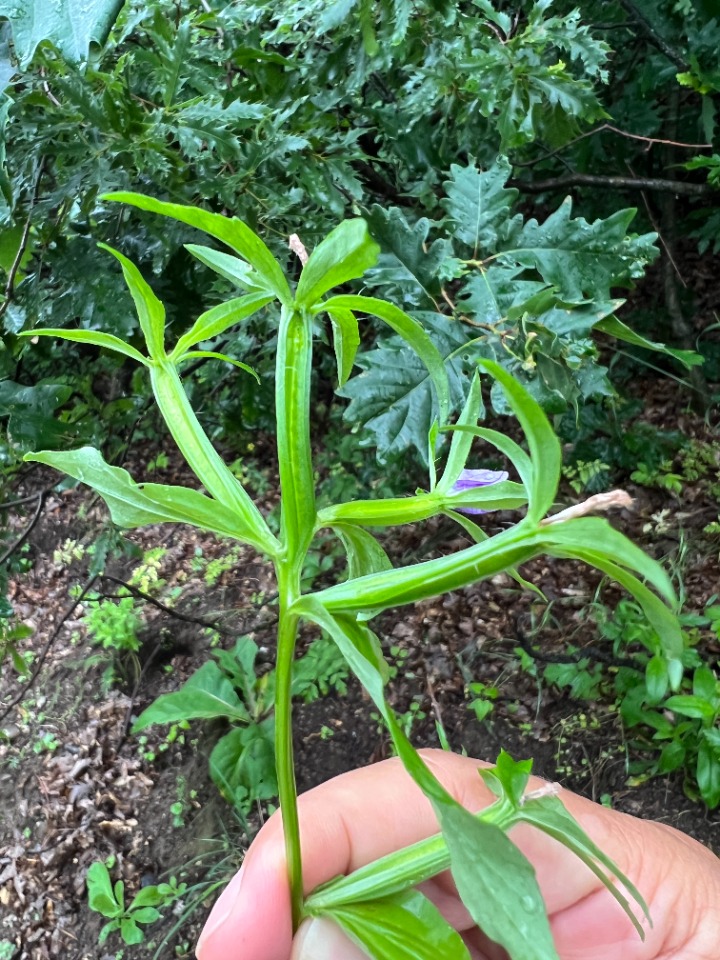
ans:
(298, 522)
(401, 869)
(284, 762)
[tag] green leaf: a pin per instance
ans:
(69, 26)
(581, 260)
(616, 328)
(146, 915)
(364, 553)
(131, 932)
(513, 451)
(212, 355)
(217, 320)
(346, 340)
(478, 204)
(100, 890)
(406, 926)
(544, 446)
(134, 505)
(229, 230)
(708, 775)
(231, 268)
(497, 885)
(203, 459)
(147, 897)
(150, 311)
(207, 695)
(408, 247)
(550, 816)
(105, 340)
(345, 254)
(656, 679)
(598, 536)
(462, 441)
(705, 685)
(434, 577)
(690, 706)
(411, 331)
(242, 764)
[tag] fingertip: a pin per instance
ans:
(251, 919)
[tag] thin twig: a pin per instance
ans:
(38, 664)
(619, 132)
(10, 504)
(161, 606)
(12, 273)
(27, 531)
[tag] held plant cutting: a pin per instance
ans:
(378, 906)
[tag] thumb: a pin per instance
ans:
(321, 939)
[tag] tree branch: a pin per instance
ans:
(653, 36)
(37, 666)
(615, 183)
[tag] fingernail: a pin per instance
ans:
(321, 939)
(221, 911)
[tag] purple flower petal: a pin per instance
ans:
(471, 479)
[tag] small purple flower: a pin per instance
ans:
(471, 479)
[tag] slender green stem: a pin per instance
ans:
(401, 869)
(298, 522)
(287, 790)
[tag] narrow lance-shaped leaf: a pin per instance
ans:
(150, 311)
(461, 441)
(212, 355)
(202, 457)
(217, 320)
(410, 330)
(105, 340)
(134, 505)
(616, 328)
(544, 446)
(346, 340)
(598, 536)
(232, 268)
(497, 884)
(513, 451)
(549, 815)
(345, 254)
(659, 616)
(229, 230)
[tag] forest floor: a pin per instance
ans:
(76, 786)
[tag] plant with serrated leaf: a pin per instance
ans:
(495, 881)
(525, 294)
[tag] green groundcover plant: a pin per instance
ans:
(378, 906)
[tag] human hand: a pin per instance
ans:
(362, 815)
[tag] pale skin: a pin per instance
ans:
(362, 815)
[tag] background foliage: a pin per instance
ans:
(295, 115)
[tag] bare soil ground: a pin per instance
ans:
(76, 786)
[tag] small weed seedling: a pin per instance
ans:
(108, 899)
(380, 904)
